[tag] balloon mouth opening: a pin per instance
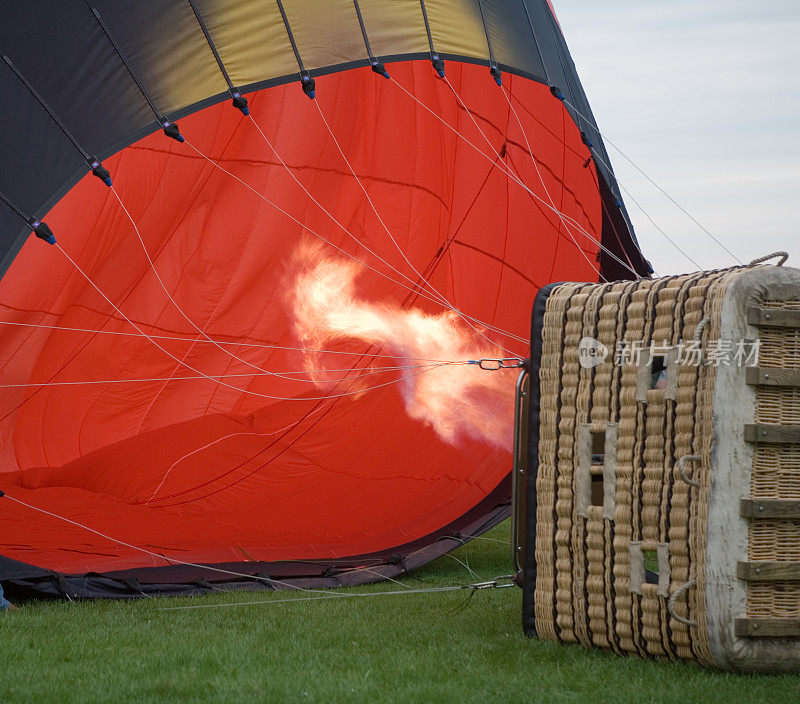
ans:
(121, 428)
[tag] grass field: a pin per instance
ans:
(414, 648)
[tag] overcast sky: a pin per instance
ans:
(704, 95)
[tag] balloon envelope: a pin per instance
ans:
(237, 356)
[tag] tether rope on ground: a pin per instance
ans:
(352, 595)
(321, 593)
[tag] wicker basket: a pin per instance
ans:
(660, 509)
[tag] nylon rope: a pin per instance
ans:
(440, 299)
(513, 177)
(218, 381)
(507, 94)
(463, 563)
(337, 595)
(501, 165)
(661, 231)
(366, 371)
(507, 170)
(539, 175)
(445, 301)
(339, 249)
(647, 215)
(221, 342)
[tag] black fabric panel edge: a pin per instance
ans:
(529, 558)
(154, 126)
(23, 580)
(617, 238)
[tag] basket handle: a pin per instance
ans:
(682, 469)
(783, 257)
(680, 591)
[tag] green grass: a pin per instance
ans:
(416, 648)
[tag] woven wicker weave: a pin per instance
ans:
(622, 541)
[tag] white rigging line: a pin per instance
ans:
(333, 245)
(631, 197)
(507, 170)
(464, 564)
(216, 442)
(175, 303)
(441, 296)
(517, 180)
(535, 165)
(195, 340)
(216, 380)
(604, 163)
(332, 216)
(365, 371)
(599, 158)
(647, 215)
(663, 192)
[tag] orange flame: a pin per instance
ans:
(456, 400)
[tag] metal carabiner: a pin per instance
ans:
(489, 365)
(494, 365)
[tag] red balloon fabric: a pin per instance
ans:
(116, 425)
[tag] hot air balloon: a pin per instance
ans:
(275, 244)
